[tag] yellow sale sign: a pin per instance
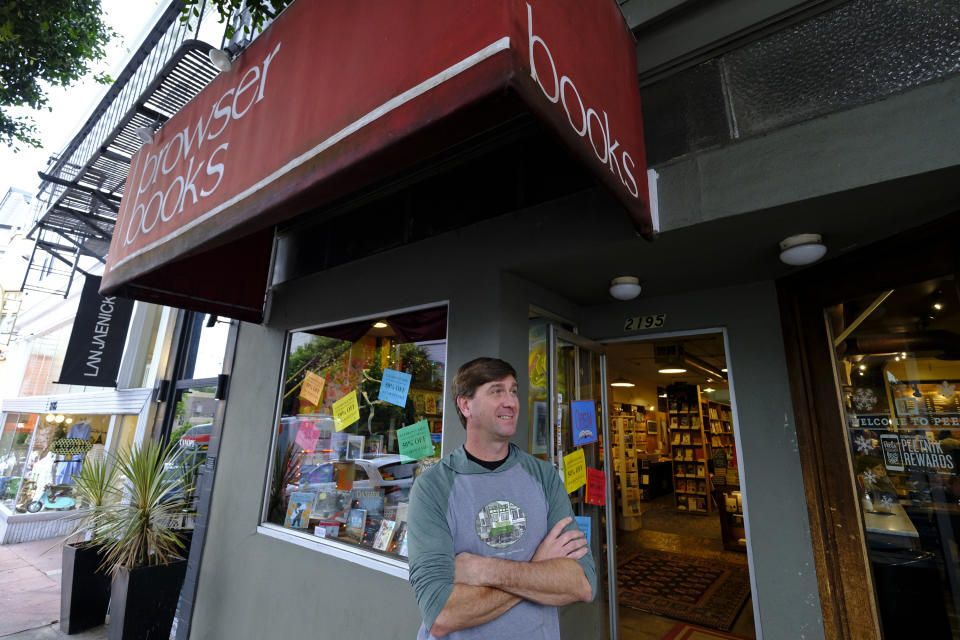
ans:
(574, 470)
(346, 411)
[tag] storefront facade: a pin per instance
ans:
(473, 251)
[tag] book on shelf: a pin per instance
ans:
(691, 504)
(686, 438)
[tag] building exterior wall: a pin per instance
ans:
(488, 314)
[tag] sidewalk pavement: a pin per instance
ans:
(30, 592)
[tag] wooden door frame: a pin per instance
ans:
(836, 530)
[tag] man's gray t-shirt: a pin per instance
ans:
(458, 505)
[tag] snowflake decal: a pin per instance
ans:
(946, 390)
(863, 445)
(869, 477)
(886, 502)
(864, 399)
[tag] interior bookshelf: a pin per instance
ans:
(688, 450)
(628, 434)
(719, 427)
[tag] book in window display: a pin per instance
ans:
(384, 536)
(298, 510)
(354, 447)
(370, 500)
(356, 520)
(370, 528)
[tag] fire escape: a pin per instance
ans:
(82, 186)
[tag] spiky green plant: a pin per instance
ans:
(143, 529)
(95, 485)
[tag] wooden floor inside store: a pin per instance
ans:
(664, 529)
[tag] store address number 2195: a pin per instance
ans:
(638, 323)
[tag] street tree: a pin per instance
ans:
(259, 12)
(44, 41)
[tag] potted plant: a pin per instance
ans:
(143, 543)
(85, 583)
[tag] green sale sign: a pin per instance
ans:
(414, 441)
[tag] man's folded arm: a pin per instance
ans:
(469, 606)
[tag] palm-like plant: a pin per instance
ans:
(95, 486)
(143, 530)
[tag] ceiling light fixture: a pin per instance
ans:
(801, 249)
(937, 306)
(709, 390)
(625, 287)
(724, 369)
(672, 370)
(380, 324)
(622, 382)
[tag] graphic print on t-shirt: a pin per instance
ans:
(500, 523)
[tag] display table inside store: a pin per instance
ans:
(892, 529)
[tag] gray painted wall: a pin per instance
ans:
(785, 592)
(252, 585)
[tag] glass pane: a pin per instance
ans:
(898, 365)
(14, 445)
(580, 416)
(348, 479)
(208, 345)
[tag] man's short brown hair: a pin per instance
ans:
(477, 373)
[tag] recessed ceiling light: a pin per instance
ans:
(863, 367)
(380, 324)
(937, 306)
(724, 370)
(709, 390)
(672, 370)
(622, 382)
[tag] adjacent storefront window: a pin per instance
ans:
(40, 454)
(898, 363)
(361, 416)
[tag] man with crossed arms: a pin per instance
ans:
(494, 549)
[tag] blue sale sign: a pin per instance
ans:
(584, 414)
(394, 387)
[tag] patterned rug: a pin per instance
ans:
(684, 631)
(698, 590)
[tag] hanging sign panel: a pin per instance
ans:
(584, 416)
(311, 112)
(574, 470)
(346, 411)
(97, 339)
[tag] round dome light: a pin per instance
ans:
(625, 287)
(801, 249)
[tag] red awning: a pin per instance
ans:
(336, 95)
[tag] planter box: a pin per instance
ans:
(84, 591)
(145, 601)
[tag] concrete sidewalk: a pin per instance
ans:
(30, 592)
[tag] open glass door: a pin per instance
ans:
(576, 380)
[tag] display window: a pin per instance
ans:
(361, 415)
(898, 372)
(40, 454)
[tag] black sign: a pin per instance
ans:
(96, 343)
